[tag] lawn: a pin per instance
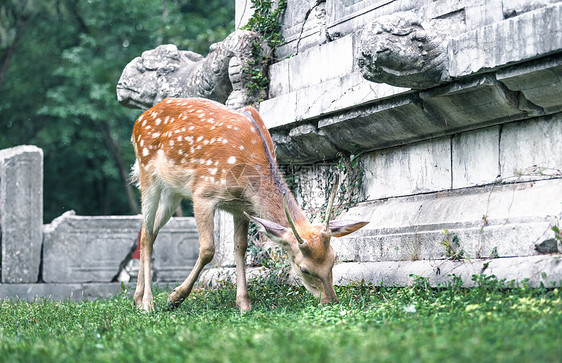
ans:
(485, 324)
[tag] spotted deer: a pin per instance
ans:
(222, 158)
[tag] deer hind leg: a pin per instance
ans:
(204, 211)
(240, 246)
(158, 207)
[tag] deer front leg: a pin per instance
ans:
(143, 293)
(204, 211)
(240, 246)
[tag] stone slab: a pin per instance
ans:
(345, 17)
(331, 96)
(532, 149)
(472, 103)
(387, 123)
(319, 64)
(539, 81)
(93, 249)
(506, 220)
(176, 250)
(63, 291)
(531, 271)
(487, 48)
(21, 213)
(475, 157)
(409, 169)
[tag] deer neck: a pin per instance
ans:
(269, 202)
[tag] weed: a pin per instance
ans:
(453, 249)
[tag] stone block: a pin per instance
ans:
(467, 104)
(303, 144)
(87, 249)
(345, 17)
(224, 239)
(476, 157)
(479, 15)
(504, 42)
(334, 95)
(318, 64)
(21, 213)
(532, 271)
(387, 123)
(93, 249)
(540, 82)
(278, 79)
(303, 27)
(176, 250)
(507, 220)
(416, 168)
(532, 149)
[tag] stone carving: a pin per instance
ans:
(401, 50)
(168, 72)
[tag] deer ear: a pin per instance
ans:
(271, 229)
(343, 228)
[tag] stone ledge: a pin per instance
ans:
(506, 220)
(534, 271)
(62, 291)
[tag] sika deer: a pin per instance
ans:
(221, 158)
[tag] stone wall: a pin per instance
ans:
(454, 109)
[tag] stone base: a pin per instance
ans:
(532, 271)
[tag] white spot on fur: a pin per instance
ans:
(231, 160)
(144, 152)
(158, 121)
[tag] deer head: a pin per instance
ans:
(308, 246)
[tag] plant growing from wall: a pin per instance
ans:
(266, 22)
(452, 245)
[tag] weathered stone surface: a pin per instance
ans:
(303, 144)
(410, 169)
(63, 291)
(176, 250)
(475, 157)
(168, 72)
(540, 82)
(509, 219)
(92, 249)
(345, 17)
(381, 125)
(508, 41)
(21, 213)
(224, 239)
(330, 96)
(303, 26)
(402, 50)
(532, 149)
(87, 249)
(319, 64)
(473, 102)
(531, 271)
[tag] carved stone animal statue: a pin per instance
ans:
(222, 158)
(168, 72)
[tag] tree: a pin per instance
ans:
(59, 89)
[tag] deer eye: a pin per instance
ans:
(304, 270)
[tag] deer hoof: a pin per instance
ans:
(173, 305)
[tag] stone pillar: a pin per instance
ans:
(21, 213)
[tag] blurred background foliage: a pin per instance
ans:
(60, 61)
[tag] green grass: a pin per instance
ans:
(485, 324)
